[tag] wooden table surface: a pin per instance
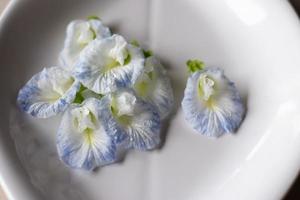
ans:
(295, 190)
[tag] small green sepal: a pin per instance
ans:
(93, 17)
(127, 59)
(147, 53)
(79, 98)
(195, 65)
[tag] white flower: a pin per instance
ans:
(109, 64)
(211, 103)
(82, 142)
(154, 86)
(48, 93)
(79, 34)
(131, 121)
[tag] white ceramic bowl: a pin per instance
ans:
(257, 42)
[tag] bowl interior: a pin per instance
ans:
(188, 166)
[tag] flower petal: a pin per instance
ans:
(79, 34)
(211, 103)
(138, 127)
(100, 30)
(48, 93)
(100, 67)
(82, 142)
(154, 86)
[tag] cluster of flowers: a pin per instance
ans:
(113, 95)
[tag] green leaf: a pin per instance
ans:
(93, 17)
(147, 53)
(195, 65)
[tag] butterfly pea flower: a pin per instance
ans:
(109, 64)
(48, 93)
(211, 103)
(132, 122)
(154, 86)
(82, 142)
(78, 35)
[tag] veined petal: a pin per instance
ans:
(138, 127)
(100, 67)
(82, 142)
(119, 51)
(79, 34)
(211, 103)
(48, 93)
(154, 86)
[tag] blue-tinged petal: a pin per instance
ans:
(48, 93)
(79, 34)
(211, 103)
(82, 142)
(130, 120)
(109, 64)
(154, 86)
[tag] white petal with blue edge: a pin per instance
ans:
(154, 86)
(48, 93)
(131, 121)
(79, 34)
(109, 64)
(211, 103)
(82, 142)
